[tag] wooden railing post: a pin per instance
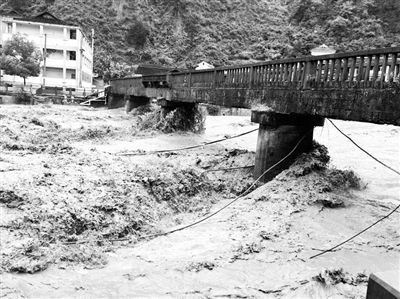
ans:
(352, 70)
(367, 71)
(345, 71)
(306, 74)
(251, 77)
(214, 82)
(383, 71)
(375, 71)
(392, 67)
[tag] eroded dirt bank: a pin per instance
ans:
(59, 171)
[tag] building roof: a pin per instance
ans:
(150, 69)
(204, 65)
(44, 17)
(10, 12)
(322, 50)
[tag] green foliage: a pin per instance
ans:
(137, 35)
(347, 25)
(170, 120)
(20, 57)
(182, 33)
(23, 97)
(388, 12)
(19, 5)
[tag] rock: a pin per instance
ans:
(10, 199)
(330, 201)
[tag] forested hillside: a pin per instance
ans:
(184, 32)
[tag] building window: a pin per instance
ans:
(51, 51)
(72, 55)
(9, 27)
(71, 74)
(72, 33)
(52, 72)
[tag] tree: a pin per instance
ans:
(108, 68)
(19, 5)
(137, 35)
(20, 57)
(346, 25)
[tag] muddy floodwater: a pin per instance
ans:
(259, 247)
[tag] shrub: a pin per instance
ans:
(177, 119)
(137, 35)
(213, 110)
(23, 97)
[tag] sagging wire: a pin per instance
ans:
(228, 169)
(184, 148)
(356, 235)
(376, 222)
(241, 195)
(376, 159)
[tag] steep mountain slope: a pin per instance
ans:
(184, 32)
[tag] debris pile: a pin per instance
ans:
(172, 120)
(197, 267)
(10, 199)
(80, 223)
(310, 180)
(336, 276)
(22, 133)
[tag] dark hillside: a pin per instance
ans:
(185, 32)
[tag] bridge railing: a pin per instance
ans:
(364, 69)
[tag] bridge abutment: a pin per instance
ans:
(278, 134)
(170, 105)
(133, 102)
(115, 101)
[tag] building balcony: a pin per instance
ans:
(58, 63)
(60, 82)
(61, 44)
(53, 42)
(87, 69)
(61, 63)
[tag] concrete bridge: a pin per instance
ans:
(287, 97)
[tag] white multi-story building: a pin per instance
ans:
(69, 60)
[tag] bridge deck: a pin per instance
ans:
(361, 86)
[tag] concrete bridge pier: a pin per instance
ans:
(278, 134)
(170, 105)
(133, 102)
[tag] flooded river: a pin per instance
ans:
(225, 258)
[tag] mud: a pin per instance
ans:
(91, 199)
(338, 276)
(78, 201)
(10, 199)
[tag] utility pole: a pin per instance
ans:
(80, 60)
(92, 42)
(92, 57)
(92, 53)
(44, 61)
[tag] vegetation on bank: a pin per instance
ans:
(20, 57)
(184, 32)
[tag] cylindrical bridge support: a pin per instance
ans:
(278, 135)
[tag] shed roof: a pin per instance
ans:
(150, 69)
(44, 17)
